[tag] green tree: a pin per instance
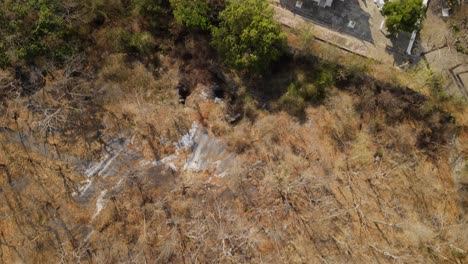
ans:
(192, 13)
(403, 15)
(34, 29)
(247, 37)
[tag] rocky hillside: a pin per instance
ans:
(170, 156)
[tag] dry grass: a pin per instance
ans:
(346, 184)
(297, 195)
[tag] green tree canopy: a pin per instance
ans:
(192, 13)
(34, 29)
(247, 37)
(402, 15)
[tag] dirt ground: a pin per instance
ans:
(441, 56)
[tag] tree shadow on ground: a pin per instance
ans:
(397, 104)
(399, 47)
(282, 89)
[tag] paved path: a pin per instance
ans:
(344, 41)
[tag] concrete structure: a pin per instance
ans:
(321, 3)
(415, 32)
(354, 25)
(368, 37)
(379, 3)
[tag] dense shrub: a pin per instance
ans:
(192, 14)
(141, 42)
(123, 40)
(307, 89)
(247, 37)
(292, 101)
(148, 8)
(98, 12)
(33, 29)
(152, 11)
(326, 78)
(4, 60)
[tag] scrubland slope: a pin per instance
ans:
(327, 159)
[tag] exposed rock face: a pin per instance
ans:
(218, 92)
(143, 179)
(207, 153)
(107, 179)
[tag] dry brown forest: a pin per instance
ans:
(126, 137)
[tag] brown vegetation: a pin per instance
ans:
(370, 173)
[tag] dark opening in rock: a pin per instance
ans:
(184, 91)
(218, 92)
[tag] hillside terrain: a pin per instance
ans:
(136, 132)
